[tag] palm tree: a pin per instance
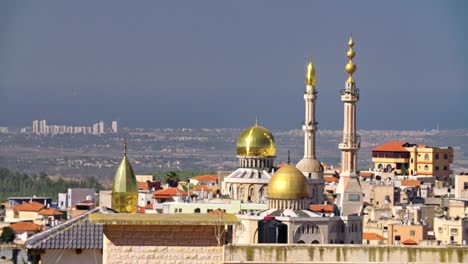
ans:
(172, 179)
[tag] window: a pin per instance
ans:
(436, 168)
(453, 231)
(354, 197)
(437, 156)
(445, 156)
(426, 156)
(445, 167)
(465, 185)
(426, 167)
(440, 229)
(412, 233)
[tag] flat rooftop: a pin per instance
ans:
(163, 219)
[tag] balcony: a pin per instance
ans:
(350, 91)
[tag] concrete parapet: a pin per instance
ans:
(343, 254)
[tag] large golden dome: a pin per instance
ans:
(288, 183)
(256, 141)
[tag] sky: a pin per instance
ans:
(210, 64)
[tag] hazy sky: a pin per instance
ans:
(220, 63)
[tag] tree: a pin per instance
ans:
(8, 235)
(403, 170)
(172, 179)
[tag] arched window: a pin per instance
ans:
(426, 156)
(426, 167)
(315, 242)
(197, 210)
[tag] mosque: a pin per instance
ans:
(294, 194)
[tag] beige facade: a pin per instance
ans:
(378, 194)
(399, 156)
(458, 208)
(161, 243)
(398, 233)
(450, 231)
(461, 186)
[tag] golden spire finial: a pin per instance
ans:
(310, 75)
(125, 146)
(350, 67)
(256, 120)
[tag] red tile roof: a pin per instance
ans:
(396, 146)
(32, 207)
(145, 186)
(414, 183)
(149, 206)
(331, 179)
(208, 177)
(327, 208)
(49, 211)
(168, 193)
(372, 236)
(366, 174)
(409, 242)
(25, 226)
(140, 211)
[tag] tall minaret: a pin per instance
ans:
(310, 165)
(349, 192)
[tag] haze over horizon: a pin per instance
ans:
(221, 64)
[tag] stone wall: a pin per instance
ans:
(343, 254)
(161, 244)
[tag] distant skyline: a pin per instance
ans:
(221, 64)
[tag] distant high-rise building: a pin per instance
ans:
(101, 127)
(114, 127)
(42, 127)
(35, 127)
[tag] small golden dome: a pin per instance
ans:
(310, 76)
(351, 42)
(256, 141)
(350, 67)
(350, 54)
(288, 183)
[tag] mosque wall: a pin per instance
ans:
(269, 253)
(161, 244)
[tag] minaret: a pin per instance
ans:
(310, 165)
(124, 187)
(349, 192)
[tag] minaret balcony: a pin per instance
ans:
(353, 138)
(350, 90)
(349, 146)
(309, 96)
(308, 128)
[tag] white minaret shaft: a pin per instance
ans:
(351, 141)
(310, 166)
(349, 192)
(309, 126)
